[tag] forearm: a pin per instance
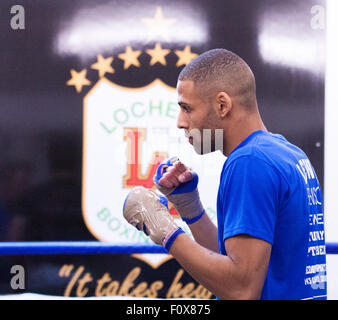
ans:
(238, 275)
(205, 233)
(216, 272)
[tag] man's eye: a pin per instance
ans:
(185, 109)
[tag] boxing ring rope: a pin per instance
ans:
(92, 247)
(75, 247)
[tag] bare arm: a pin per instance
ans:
(239, 275)
(205, 233)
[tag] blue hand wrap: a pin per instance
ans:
(185, 197)
(183, 187)
(169, 242)
(193, 220)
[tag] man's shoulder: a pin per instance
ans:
(268, 151)
(270, 148)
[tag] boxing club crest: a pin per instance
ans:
(127, 133)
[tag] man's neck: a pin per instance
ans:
(234, 137)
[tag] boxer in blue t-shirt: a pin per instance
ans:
(269, 190)
(269, 242)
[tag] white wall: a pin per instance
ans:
(331, 144)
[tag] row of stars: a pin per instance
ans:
(130, 58)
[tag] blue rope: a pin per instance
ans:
(75, 247)
(331, 248)
(91, 247)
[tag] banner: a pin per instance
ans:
(89, 110)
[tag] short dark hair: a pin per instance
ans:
(223, 70)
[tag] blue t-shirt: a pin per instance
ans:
(269, 190)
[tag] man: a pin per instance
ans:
(270, 242)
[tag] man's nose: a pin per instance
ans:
(182, 121)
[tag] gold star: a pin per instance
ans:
(103, 65)
(130, 57)
(185, 56)
(158, 54)
(158, 25)
(78, 80)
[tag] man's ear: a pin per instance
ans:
(223, 104)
